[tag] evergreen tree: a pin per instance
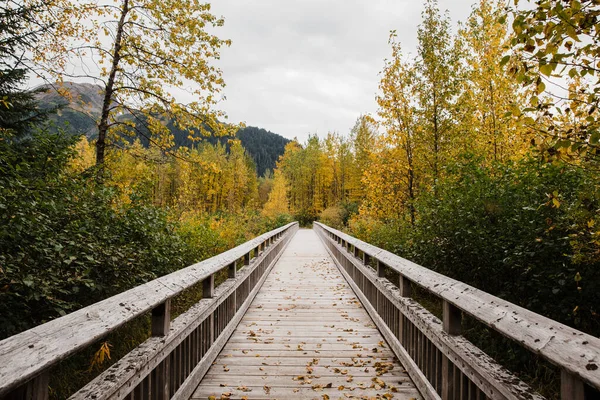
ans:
(18, 109)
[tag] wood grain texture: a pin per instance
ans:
(419, 329)
(128, 372)
(26, 355)
(574, 351)
(306, 335)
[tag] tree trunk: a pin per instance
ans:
(109, 90)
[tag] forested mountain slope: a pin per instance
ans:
(79, 108)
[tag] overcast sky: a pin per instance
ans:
(298, 67)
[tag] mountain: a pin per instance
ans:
(79, 107)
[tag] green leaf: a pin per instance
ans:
(546, 69)
(541, 87)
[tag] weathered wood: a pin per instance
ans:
(282, 334)
(404, 286)
(35, 389)
(208, 287)
(366, 259)
(448, 380)
(452, 319)
(571, 387)
(131, 370)
(232, 270)
(161, 318)
(380, 269)
(493, 380)
(52, 342)
(561, 345)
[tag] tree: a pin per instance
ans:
(18, 32)
(437, 65)
(147, 52)
(554, 40)
(278, 198)
(265, 185)
(362, 138)
(488, 91)
(398, 112)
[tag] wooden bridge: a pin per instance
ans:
(302, 314)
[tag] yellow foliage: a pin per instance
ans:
(85, 156)
(100, 356)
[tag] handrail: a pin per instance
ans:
(575, 352)
(26, 355)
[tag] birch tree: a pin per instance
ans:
(146, 55)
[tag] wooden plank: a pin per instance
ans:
(571, 388)
(260, 369)
(161, 318)
(563, 346)
(272, 345)
(302, 361)
(26, 355)
(491, 378)
(135, 366)
(301, 392)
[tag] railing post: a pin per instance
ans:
(163, 375)
(208, 287)
(452, 325)
(356, 251)
(571, 387)
(232, 270)
(404, 286)
(405, 291)
(35, 389)
(380, 269)
(161, 318)
(366, 259)
(247, 258)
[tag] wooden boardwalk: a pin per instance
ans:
(306, 335)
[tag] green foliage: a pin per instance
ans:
(519, 230)
(65, 243)
(18, 109)
(305, 217)
(68, 241)
(556, 41)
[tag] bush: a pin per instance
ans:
(333, 217)
(523, 231)
(65, 241)
(510, 230)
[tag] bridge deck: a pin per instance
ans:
(306, 335)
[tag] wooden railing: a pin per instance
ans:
(442, 363)
(171, 362)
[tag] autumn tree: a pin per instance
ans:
(362, 139)
(278, 202)
(437, 63)
(148, 53)
(488, 90)
(398, 112)
(553, 41)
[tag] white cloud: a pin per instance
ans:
(307, 66)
